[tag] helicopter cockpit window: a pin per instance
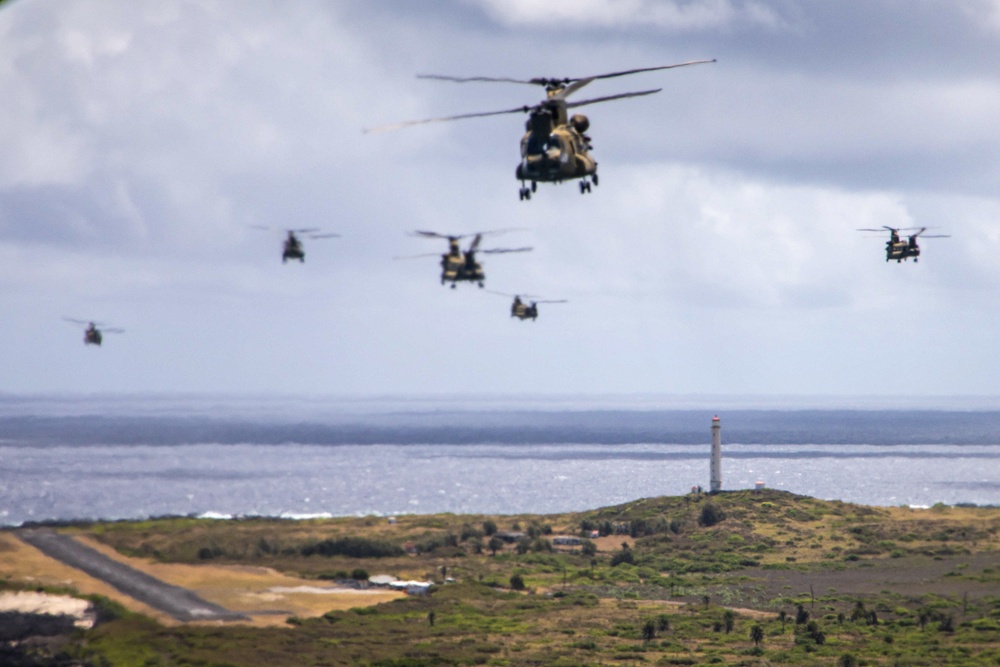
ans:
(554, 142)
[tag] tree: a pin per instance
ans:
(588, 548)
(756, 634)
(782, 616)
(711, 514)
(495, 544)
(649, 631)
(430, 617)
(516, 582)
(729, 619)
(847, 660)
(663, 623)
(489, 527)
(801, 615)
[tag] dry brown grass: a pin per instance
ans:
(238, 588)
(247, 589)
(25, 565)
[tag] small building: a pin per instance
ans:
(567, 541)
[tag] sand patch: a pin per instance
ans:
(32, 602)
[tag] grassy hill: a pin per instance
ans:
(742, 578)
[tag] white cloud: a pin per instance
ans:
(672, 15)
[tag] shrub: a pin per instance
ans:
(711, 514)
(516, 582)
(355, 547)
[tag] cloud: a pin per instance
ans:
(670, 15)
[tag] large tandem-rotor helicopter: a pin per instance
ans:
(458, 265)
(554, 147)
(292, 248)
(525, 311)
(93, 335)
(900, 250)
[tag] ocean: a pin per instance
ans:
(66, 458)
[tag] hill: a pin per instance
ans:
(750, 577)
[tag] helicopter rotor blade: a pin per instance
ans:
(608, 98)
(647, 69)
(556, 81)
(323, 236)
(553, 301)
(475, 242)
(478, 79)
(113, 330)
(433, 235)
(936, 236)
(442, 119)
(492, 251)
(571, 88)
(76, 321)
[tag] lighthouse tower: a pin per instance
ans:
(716, 468)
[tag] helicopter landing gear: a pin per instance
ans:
(595, 178)
(524, 193)
(534, 186)
(481, 285)
(453, 285)
(584, 187)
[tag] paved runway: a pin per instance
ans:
(178, 602)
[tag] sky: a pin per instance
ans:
(141, 143)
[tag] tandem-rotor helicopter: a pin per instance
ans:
(92, 335)
(457, 265)
(898, 249)
(523, 311)
(554, 147)
(293, 244)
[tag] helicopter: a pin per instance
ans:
(293, 244)
(524, 311)
(899, 250)
(555, 146)
(458, 265)
(92, 335)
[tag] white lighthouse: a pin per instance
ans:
(716, 468)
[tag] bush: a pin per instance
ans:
(516, 582)
(355, 547)
(489, 527)
(711, 514)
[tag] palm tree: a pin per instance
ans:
(756, 634)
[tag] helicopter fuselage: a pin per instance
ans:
(902, 250)
(554, 148)
(461, 267)
(92, 337)
(293, 250)
(523, 311)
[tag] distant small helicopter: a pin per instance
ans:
(293, 244)
(524, 311)
(456, 265)
(554, 147)
(899, 250)
(92, 335)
